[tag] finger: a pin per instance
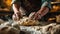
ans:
(36, 16)
(14, 17)
(31, 15)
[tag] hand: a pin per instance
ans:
(31, 16)
(34, 15)
(37, 16)
(42, 12)
(16, 17)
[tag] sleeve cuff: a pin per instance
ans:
(44, 4)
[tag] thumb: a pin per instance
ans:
(32, 15)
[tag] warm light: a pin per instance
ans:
(7, 2)
(50, 19)
(55, 8)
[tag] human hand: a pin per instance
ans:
(35, 15)
(31, 16)
(42, 12)
(16, 17)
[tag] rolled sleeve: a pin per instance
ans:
(46, 3)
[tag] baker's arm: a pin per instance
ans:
(43, 11)
(15, 8)
(17, 14)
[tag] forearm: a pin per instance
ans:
(15, 8)
(17, 14)
(41, 10)
(43, 7)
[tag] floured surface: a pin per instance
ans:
(28, 28)
(48, 29)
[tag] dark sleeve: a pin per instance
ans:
(49, 5)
